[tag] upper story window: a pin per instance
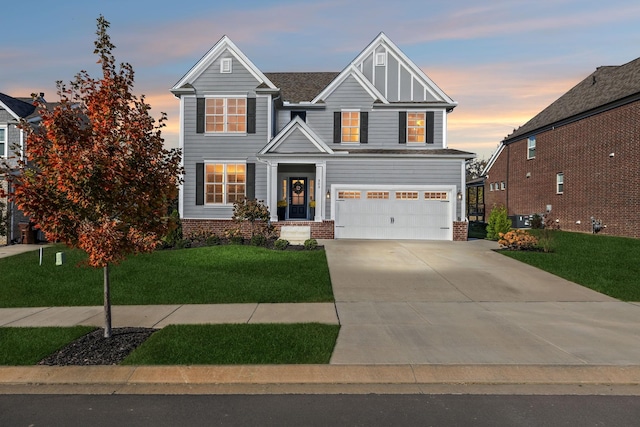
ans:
(416, 127)
(560, 183)
(350, 126)
(224, 182)
(531, 147)
(226, 115)
(3, 141)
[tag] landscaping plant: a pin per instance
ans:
(98, 177)
(518, 240)
(499, 222)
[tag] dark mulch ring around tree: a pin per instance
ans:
(95, 349)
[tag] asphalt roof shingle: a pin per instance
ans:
(605, 85)
(21, 108)
(300, 87)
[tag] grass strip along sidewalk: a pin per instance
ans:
(207, 275)
(232, 344)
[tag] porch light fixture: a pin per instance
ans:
(459, 195)
(328, 195)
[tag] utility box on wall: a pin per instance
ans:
(520, 221)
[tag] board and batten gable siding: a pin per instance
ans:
(212, 80)
(429, 171)
(394, 79)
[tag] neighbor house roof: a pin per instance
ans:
(17, 107)
(301, 87)
(606, 86)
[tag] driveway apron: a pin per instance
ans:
(430, 302)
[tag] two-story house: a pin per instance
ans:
(362, 153)
(12, 140)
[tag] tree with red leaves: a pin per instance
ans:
(97, 176)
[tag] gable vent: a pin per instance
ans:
(381, 59)
(225, 65)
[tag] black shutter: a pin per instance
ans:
(200, 115)
(430, 127)
(402, 127)
(199, 183)
(337, 127)
(250, 191)
(364, 127)
(251, 115)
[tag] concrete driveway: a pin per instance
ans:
(428, 302)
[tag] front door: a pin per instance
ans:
(297, 198)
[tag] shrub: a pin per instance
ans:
(518, 240)
(253, 211)
(170, 240)
(536, 221)
(183, 244)
(310, 244)
(212, 240)
(258, 240)
(281, 244)
(499, 222)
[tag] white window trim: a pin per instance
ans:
(224, 183)
(226, 66)
(424, 128)
(529, 146)
(342, 141)
(5, 151)
(226, 98)
(559, 181)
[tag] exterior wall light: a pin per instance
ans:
(328, 195)
(459, 195)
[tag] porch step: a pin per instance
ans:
(295, 234)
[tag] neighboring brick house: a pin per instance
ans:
(361, 153)
(579, 157)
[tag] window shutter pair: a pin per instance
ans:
(402, 127)
(337, 127)
(250, 189)
(251, 115)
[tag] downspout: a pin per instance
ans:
(507, 177)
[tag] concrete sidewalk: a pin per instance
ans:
(415, 316)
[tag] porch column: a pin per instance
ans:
(319, 192)
(272, 190)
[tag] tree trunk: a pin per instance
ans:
(107, 304)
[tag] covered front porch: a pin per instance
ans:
(296, 191)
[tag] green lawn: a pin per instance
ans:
(27, 346)
(208, 275)
(303, 343)
(607, 264)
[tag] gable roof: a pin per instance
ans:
(296, 124)
(223, 45)
(606, 86)
(17, 108)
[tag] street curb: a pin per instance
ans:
(323, 375)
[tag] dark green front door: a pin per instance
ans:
(297, 198)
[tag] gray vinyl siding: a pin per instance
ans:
(367, 67)
(394, 172)
(297, 142)
(238, 80)
(199, 148)
(405, 85)
(380, 72)
(392, 70)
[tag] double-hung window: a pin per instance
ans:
(560, 183)
(351, 126)
(225, 115)
(224, 183)
(416, 127)
(3, 141)
(531, 147)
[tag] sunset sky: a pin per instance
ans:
(502, 61)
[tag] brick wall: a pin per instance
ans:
(595, 184)
(319, 230)
(460, 231)
(3, 211)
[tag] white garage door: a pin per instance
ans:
(393, 213)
